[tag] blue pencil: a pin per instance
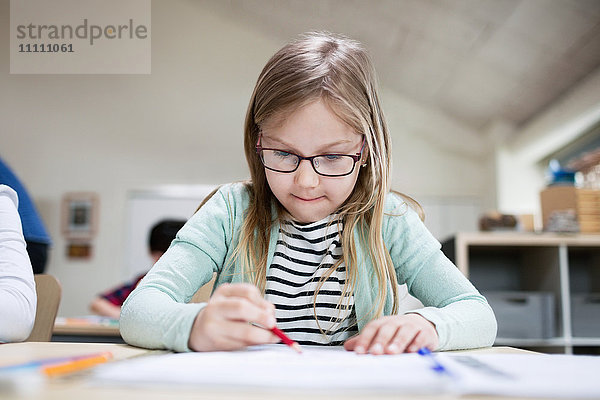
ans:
(436, 366)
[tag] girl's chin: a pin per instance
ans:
(308, 216)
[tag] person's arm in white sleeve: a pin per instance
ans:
(18, 298)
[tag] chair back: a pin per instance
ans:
(203, 294)
(48, 299)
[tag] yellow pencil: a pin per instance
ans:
(77, 365)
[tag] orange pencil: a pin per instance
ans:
(77, 364)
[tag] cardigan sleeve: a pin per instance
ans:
(461, 315)
(157, 313)
(18, 299)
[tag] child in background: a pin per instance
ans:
(315, 242)
(18, 299)
(109, 304)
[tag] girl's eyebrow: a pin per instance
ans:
(321, 149)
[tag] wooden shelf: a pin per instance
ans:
(577, 341)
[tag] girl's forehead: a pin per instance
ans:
(316, 116)
(279, 117)
(316, 137)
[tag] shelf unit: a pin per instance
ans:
(563, 265)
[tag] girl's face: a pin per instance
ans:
(311, 130)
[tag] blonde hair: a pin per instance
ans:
(338, 71)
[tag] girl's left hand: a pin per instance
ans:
(394, 334)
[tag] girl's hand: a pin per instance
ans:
(394, 334)
(224, 324)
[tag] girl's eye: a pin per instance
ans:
(281, 154)
(332, 157)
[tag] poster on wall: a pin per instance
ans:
(80, 215)
(79, 223)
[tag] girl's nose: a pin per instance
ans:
(305, 175)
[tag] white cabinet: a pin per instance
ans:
(565, 268)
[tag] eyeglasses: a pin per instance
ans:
(323, 164)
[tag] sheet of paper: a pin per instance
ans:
(319, 368)
(526, 375)
(278, 367)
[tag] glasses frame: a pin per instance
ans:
(356, 157)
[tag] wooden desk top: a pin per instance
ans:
(14, 353)
(86, 327)
(78, 385)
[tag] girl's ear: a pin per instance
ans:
(365, 157)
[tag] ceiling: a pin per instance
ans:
(477, 61)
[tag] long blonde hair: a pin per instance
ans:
(337, 70)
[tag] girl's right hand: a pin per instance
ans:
(226, 321)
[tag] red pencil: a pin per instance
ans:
(285, 339)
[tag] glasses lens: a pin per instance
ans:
(333, 164)
(279, 160)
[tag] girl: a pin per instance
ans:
(315, 242)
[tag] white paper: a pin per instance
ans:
(278, 367)
(320, 368)
(526, 375)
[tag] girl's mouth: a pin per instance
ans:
(308, 199)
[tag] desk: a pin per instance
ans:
(78, 385)
(87, 330)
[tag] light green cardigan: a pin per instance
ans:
(157, 313)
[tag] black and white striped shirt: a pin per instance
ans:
(303, 255)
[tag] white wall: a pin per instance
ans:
(147, 207)
(180, 125)
(520, 176)
(433, 155)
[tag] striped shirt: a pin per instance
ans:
(117, 296)
(303, 255)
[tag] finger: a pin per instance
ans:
(349, 344)
(239, 309)
(420, 340)
(403, 337)
(246, 291)
(363, 340)
(383, 338)
(214, 330)
(238, 290)
(247, 335)
(426, 337)
(219, 290)
(233, 336)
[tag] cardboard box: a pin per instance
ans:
(526, 222)
(584, 203)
